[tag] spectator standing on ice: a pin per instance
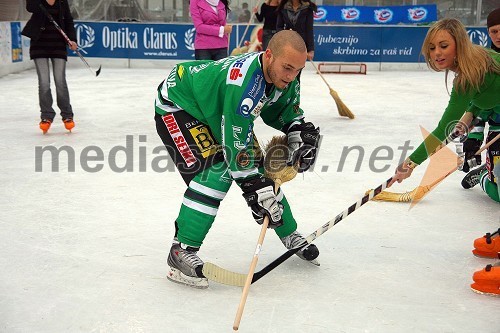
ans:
(47, 47)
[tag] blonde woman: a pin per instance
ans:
(476, 85)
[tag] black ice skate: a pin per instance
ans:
(309, 253)
(472, 178)
(186, 266)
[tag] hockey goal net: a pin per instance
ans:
(342, 68)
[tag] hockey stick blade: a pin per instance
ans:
(224, 276)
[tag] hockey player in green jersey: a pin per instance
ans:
(205, 114)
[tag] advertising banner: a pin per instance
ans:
(135, 40)
(16, 42)
(377, 15)
(377, 43)
(339, 43)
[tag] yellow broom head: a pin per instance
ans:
(416, 195)
(342, 108)
(275, 161)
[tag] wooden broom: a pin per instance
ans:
(420, 191)
(341, 107)
(276, 168)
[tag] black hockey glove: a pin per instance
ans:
(303, 140)
(260, 197)
(471, 160)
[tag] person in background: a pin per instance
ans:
(205, 112)
(447, 47)
(298, 15)
(245, 14)
(209, 18)
(488, 175)
(269, 15)
(49, 46)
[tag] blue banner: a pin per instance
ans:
(135, 40)
(16, 42)
(377, 43)
(377, 15)
(339, 43)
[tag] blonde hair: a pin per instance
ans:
(472, 61)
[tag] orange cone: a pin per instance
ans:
(487, 280)
(487, 246)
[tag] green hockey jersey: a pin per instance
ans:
(228, 95)
(486, 97)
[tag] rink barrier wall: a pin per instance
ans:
(151, 45)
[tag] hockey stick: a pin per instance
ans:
(276, 168)
(224, 276)
(341, 107)
(44, 10)
(221, 275)
(419, 192)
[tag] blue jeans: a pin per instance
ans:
(44, 93)
(210, 54)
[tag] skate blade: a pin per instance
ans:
(488, 255)
(485, 293)
(315, 262)
(177, 276)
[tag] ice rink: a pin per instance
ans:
(83, 248)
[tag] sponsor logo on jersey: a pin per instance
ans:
(180, 71)
(237, 134)
(179, 139)
(238, 69)
(245, 107)
(251, 102)
(350, 14)
(383, 15)
(206, 143)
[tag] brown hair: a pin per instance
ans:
(473, 61)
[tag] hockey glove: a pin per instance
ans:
(471, 160)
(260, 197)
(303, 140)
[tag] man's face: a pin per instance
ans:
(494, 32)
(284, 69)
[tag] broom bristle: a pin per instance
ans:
(342, 108)
(275, 161)
(415, 195)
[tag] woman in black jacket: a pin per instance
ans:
(298, 15)
(268, 14)
(48, 43)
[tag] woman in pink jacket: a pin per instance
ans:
(209, 18)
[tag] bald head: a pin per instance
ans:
(285, 38)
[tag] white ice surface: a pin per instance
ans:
(85, 251)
